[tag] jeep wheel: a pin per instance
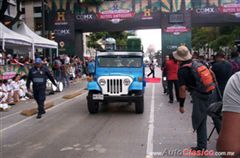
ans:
(139, 105)
(93, 106)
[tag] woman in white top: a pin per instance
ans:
(16, 88)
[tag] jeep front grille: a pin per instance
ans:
(114, 86)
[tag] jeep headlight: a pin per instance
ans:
(102, 82)
(126, 82)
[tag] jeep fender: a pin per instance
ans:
(93, 86)
(136, 86)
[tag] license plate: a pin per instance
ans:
(98, 97)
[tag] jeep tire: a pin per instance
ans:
(93, 106)
(139, 104)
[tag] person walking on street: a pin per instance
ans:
(38, 75)
(198, 79)
(164, 75)
(172, 78)
(152, 69)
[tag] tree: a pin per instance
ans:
(3, 9)
(215, 37)
(151, 51)
(120, 37)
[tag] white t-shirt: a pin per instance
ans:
(4, 88)
(67, 60)
(1, 59)
(14, 85)
(231, 96)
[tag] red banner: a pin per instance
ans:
(116, 15)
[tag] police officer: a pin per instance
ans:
(39, 75)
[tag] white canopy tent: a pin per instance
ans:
(11, 39)
(38, 41)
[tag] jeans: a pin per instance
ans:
(215, 97)
(170, 89)
(57, 75)
(199, 117)
(202, 134)
(66, 81)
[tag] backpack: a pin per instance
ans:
(204, 77)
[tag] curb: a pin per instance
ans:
(74, 94)
(33, 111)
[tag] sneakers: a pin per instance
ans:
(197, 148)
(39, 116)
(4, 107)
(170, 101)
(26, 97)
(23, 99)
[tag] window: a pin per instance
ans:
(120, 61)
(38, 24)
(23, 10)
(37, 9)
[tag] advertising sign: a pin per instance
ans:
(176, 26)
(9, 71)
(215, 12)
(62, 25)
(118, 15)
(175, 17)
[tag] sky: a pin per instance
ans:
(151, 37)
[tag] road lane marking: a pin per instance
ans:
(9, 115)
(149, 152)
(5, 117)
(24, 120)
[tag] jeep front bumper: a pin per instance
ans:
(126, 98)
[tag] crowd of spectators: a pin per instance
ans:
(12, 91)
(222, 65)
(223, 72)
(64, 69)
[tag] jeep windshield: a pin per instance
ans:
(120, 61)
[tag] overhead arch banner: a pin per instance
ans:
(118, 15)
(175, 17)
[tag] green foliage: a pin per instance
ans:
(215, 37)
(134, 44)
(120, 37)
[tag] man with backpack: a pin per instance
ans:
(196, 78)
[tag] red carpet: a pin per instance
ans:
(153, 80)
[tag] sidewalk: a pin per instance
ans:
(57, 97)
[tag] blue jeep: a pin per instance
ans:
(117, 77)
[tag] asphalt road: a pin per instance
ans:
(68, 131)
